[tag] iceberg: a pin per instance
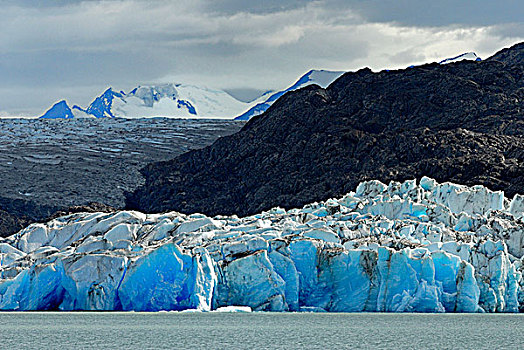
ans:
(397, 247)
(233, 308)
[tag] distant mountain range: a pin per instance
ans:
(180, 101)
(190, 101)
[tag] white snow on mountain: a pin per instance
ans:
(182, 101)
(191, 101)
(469, 56)
(402, 247)
(177, 100)
(79, 112)
(319, 77)
(59, 110)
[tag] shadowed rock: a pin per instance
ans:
(461, 122)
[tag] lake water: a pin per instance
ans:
(259, 331)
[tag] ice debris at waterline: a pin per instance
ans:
(403, 247)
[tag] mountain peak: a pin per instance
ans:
(109, 91)
(470, 56)
(101, 106)
(59, 110)
(314, 76)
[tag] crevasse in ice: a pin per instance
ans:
(402, 247)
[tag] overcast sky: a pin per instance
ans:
(55, 49)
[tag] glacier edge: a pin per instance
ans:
(401, 247)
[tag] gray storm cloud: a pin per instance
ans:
(74, 49)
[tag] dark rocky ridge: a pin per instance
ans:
(462, 122)
(15, 214)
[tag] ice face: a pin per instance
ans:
(168, 279)
(400, 247)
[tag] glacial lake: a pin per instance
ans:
(110, 330)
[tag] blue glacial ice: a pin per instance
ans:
(401, 247)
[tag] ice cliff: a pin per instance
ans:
(402, 247)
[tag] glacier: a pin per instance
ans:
(399, 247)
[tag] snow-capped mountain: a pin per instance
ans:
(102, 105)
(181, 101)
(190, 101)
(167, 100)
(320, 77)
(470, 56)
(59, 110)
(323, 78)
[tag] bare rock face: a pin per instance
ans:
(15, 214)
(462, 122)
(10, 223)
(86, 208)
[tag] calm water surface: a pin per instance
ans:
(259, 331)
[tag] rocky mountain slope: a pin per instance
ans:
(461, 122)
(402, 247)
(471, 56)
